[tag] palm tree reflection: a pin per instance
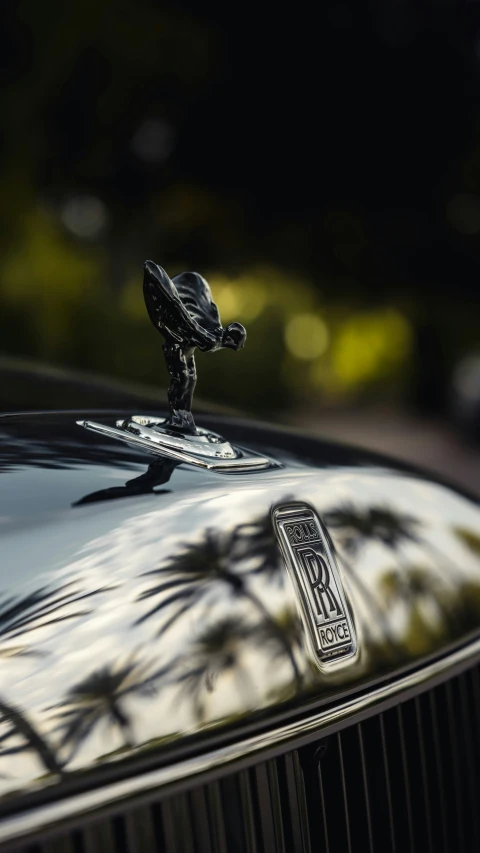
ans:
(393, 530)
(100, 697)
(218, 651)
(20, 727)
(45, 606)
(455, 599)
(420, 595)
(354, 530)
(356, 527)
(469, 539)
(256, 542)
(289, 623)
(19, 618)
(190, 574)
(416, 608)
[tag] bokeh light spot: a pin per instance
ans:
(369, 344)
(85, 216)
(244, 296)
(228, 302)
(306, 336)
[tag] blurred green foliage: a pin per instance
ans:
(59, 305)
(97, 162)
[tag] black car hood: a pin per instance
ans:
(119, 641)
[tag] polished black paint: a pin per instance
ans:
(180, 615)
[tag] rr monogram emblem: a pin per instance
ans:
(311, 563)
(319, 578)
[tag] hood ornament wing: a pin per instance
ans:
(182, 309)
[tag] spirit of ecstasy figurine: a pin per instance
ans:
(182, 309)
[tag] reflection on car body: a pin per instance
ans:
(163, 672)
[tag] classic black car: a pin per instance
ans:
(228, 636)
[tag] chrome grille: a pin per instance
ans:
(404, 780)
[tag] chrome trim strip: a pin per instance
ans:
(50, 818)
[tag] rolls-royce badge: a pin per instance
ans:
(311, 564)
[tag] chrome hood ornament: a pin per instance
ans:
(183, 310)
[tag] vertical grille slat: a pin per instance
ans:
(177, 825)
(468, 742)
(408, 794)
(251, 845)
(324, 811)
(406, 779)
(453, 744)
(365, 789)
(217, 815)
(475, 681)
(424, 775)
(431, 777)
(99, 838)
(344, 792)
(200, 822)
(276, 805)
(266, 814)
(387, 782)
(235, 825)
(169, 826)
(356, 799)
(473, 688)
(139, 831)
(439, 770)
(297, 801)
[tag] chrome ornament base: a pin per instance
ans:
(205, 449)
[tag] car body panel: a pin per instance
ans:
(147, 604)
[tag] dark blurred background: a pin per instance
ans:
(320, 167)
